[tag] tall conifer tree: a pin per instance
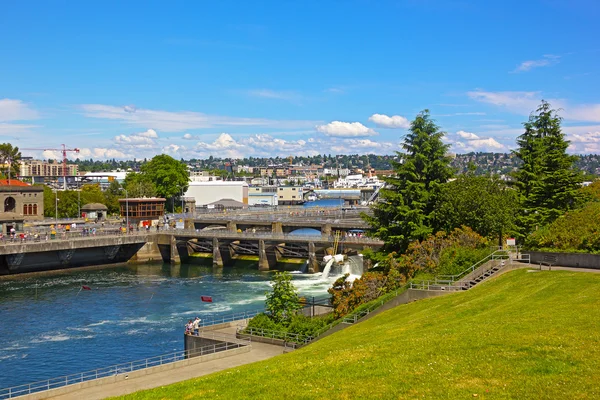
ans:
(405, 210)
(547, 180)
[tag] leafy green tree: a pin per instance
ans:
(405, 211)
(112, 195)
(170, 177)
(138, 185)
(10, 157)
(547, 181)
(283, 301)
(92, 194)
(484, 203)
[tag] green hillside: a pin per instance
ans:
(524, 335)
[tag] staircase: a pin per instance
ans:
(478, 272)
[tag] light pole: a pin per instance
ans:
(182, 199)
(55, 205)
(126, 210)
(79, 204)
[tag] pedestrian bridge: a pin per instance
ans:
(172, 246)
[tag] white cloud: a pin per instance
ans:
(467, 135)
(395, 121)
(489, 143)
(224, 146)
(169, 121)
(16, 110)
(528, 65)
(138, 140)
(468, 141)
(363, 146)
(345, 129)
(85, 153)
(525, 102)
(15, 129)
(272, 94)
(519, 102)
(189, 136)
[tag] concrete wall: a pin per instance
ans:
(575, 260)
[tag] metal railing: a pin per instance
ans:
(209, 321)
(269, 235)
(285, 336)
(437, 285)
(453, 278)
(119, 369)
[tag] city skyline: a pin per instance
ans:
(267, 79)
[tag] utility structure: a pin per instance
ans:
(64, 151)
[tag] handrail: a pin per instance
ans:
(472, 268)
(123, 368)
(268, 333)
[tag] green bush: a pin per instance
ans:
(263, 321)
(456, 259)
(303, 325)
(575, 231)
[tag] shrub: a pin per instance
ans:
(283, 301)
(303, 325)
(263, 321)
(577, 230)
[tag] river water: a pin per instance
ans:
(49, 327)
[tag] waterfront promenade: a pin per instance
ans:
(258, 352)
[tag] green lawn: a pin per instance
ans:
(523, 335)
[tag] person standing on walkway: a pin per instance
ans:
(196, 326)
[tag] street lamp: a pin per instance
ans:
(182, 212)
(126, 210)
(79, 203)
(55, 205)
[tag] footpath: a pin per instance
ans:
(259, 352)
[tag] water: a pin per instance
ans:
(327, 268)
(337, 203)
(131, 313)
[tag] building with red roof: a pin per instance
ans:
(19, 202)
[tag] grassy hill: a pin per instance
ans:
(524, 335)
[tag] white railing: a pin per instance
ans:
(123, 368)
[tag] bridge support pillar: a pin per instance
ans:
(313, 262)
(267, 258)
(222, 254)
(326, 229)
(276, 227)
(231, 226)
(174, 259)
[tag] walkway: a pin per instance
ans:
(259, 352)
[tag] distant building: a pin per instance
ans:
(104, 179)
(94, 211)
(208, 192)
(263, 196)
(290, 195)
(20, 202)
(142, 209)
(37, 170)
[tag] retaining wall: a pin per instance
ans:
(574, 260)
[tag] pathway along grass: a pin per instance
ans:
(525, 335)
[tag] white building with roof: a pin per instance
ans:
(209, 192)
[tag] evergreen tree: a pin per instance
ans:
(547, 180)
(405, 210)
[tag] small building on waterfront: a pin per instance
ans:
(94, 211)
(142, 209)
(20, 202)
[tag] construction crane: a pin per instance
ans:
(64, 151)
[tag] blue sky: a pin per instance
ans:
(192, 79)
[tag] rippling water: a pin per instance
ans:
(49, 328)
